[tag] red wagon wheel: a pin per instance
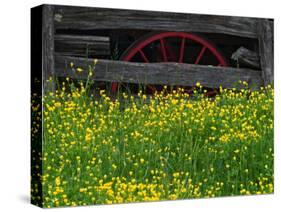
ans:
(178, 47)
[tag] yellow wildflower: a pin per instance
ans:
(79, 70)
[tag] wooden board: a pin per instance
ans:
(82, 45)
(157, 73)
(48, 46)
(86, 18)
(247, 57)
(265, 28)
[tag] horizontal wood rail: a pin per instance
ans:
(157, 73)
(88, 18)
(82, 45)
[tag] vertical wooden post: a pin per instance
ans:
(48, 64)
(265, 37)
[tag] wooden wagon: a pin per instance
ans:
(150, 47)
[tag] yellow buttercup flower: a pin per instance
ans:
(58, 181)
(79, 70)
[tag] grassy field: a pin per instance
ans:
(170, 146)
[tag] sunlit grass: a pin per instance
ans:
(138, 148)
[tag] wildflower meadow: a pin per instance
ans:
(170, 145)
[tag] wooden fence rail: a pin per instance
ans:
(157, 73)
(81, 45)
(67, 17)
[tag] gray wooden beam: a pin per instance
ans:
(48, 46)
(247, 57)
(82, 45)
(157, 73)
(266, 51)
(88, 18)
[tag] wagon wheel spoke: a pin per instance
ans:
(181, 50)
(163, 50)
(202, 51)
(143, 56)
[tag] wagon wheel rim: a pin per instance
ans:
(168, 55)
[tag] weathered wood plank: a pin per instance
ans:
(69, 17)
(48, 46)
(247, 57)
(265, 30)
(157, 73)
(82, 45)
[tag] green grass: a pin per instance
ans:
(99, 150)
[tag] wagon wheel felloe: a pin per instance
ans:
(180, 47)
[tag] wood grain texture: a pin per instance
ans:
(158, 73)
(48, 46)
(266, 41)
(247, 57)
(82, 45)
(83, 18)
